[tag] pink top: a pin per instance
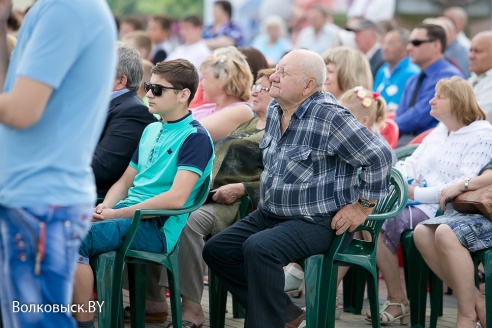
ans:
(205, 110)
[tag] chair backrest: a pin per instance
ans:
(418, 139)
(199, 201)
(390, 132)
(405, 151)
(387, 207)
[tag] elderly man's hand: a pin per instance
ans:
(349, 217)
(229, 193)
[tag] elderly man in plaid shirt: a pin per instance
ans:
(310, 191)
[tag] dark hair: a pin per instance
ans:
(180, 73)
(194, 20)
(256, 60)
(435, 32)
(164, 21)
(225, 5)
(117, 22)
(135, 21)
(14, 21)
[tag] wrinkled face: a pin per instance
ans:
(210, 84)
(480, 54)
(424, 52)
(365, 39)
(393, 49)
(261, 97)
(440, 106)
(331, 82)
(288, 80)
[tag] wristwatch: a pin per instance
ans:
(365, 203)
(467, 180)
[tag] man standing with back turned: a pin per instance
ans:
(52, 110)
(310, 191)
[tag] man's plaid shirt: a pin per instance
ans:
(312, 169)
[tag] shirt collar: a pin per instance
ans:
(118, 93)
(373, 50)
(301, 110)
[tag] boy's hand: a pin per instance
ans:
(102, 213)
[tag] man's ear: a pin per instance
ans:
(310, 85)
(120, 83)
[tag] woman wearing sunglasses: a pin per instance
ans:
(236, 172)
(226, 82)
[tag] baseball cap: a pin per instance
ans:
(363, 24)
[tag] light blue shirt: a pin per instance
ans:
(69, 46)
(390, 84)
(272, 52)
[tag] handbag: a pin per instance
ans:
(475, 202)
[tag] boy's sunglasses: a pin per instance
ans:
(417, 43)
(157, 89)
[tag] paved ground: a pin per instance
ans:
(347, 320)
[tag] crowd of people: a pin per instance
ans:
(291, 117)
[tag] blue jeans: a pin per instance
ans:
(108, 235)
(249, 255)
(38, 252)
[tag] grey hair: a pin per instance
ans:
(313, 67)
(404, 35)
(130, 65)
(275, 20)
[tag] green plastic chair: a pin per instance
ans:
(354, 282)
(484, 256)
(108, 270)
(405, 151)
(417, 276)
(321, 270)
(217, 293)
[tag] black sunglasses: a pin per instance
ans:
(157, 89)
(417, 43)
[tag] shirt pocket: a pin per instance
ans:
(265, 141)
(299, 168)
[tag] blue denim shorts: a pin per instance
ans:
(108, 235)
(38, 252)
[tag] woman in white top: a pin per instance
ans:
(456, 149)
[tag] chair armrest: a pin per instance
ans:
(137, 217)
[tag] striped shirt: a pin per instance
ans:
(311, 169)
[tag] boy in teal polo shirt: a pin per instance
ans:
(167, 170)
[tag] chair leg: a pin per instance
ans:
(137, 277)
(104, 267)
(436, 292)
(174, 288)
(417, 279)
(238, 311)
(487, 267)
(372, 292)
(217, 301)
(354, 285)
